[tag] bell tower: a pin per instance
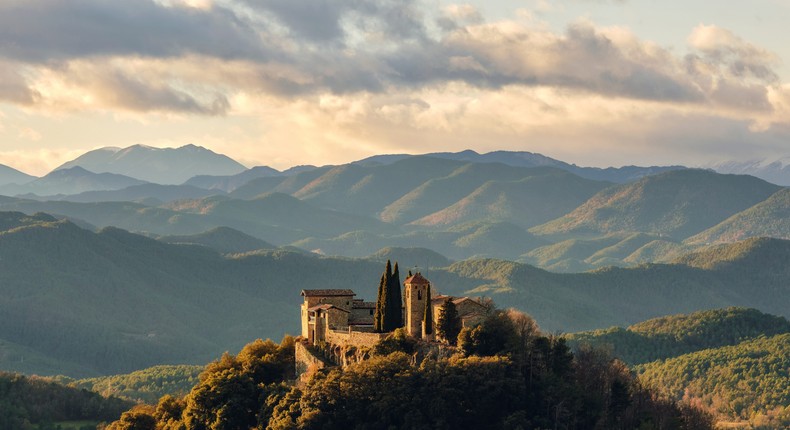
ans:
(416, 287)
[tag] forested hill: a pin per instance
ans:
(26, 403)
(676, 335)
(84, 304)
(733, 362)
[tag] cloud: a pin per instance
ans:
(14, 87)
(196, 56)
(42, 31)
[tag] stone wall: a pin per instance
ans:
(350, 337)
(306, 362)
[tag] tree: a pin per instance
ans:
(449, 323)
(394, 312)
(427, 317)
(381, 301)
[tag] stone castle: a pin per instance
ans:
(335, 317)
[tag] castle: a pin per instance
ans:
(336, 317)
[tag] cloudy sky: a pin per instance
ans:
(286, 82)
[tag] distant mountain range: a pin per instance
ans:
(69, 181)
(776, 171)
(159, 165)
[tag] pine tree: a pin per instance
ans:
(427, 317)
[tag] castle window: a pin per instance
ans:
(371, 311)
(419, 294)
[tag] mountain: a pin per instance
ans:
(769, 218)
(527, 202)
(229, 183)
(579, 255)
(151, 194)
(9, 175)
(776, 171)
(528, 159)
(73, 180)
(672, 336)
(423, 257)
(221, 239)
(112, 302)
(168, 166)
(678, 204)
(733, 361)
(754, 251)
(745, 383)
(92, 303)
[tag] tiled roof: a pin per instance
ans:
(326, 307)
(416, 279)
(328, 293)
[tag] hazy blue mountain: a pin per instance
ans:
(528, 159)
(526, 202)
(367, 190)
(147, 193)
(73, 180)
(159, 165)
(221, 239)
(229, 183)
(770, 218)
(678, 204)
(775, 171)
(422, 257)
(9, 175)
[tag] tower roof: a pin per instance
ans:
(416, 279)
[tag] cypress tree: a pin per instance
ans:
(428, 315)
(378, 318)
(394, 302)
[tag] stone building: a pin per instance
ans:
(335, 315)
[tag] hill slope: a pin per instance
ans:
(9, 175)
(678, 204)
(221, 239)
(675, 335)
(769, 218)
(748, 381)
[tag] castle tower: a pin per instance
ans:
(416, 295)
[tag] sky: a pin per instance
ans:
(289, 82)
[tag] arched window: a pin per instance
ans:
(419, 294)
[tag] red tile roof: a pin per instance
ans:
(326, 307)
(416, 279)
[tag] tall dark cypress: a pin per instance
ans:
(378, 318)
(427, 317)
(385, 297)
(395, 301)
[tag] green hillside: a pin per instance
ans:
(146, 385)
(27, 403)
(527, 202)
(678, 204)
(222, 239)
(671, 336)
(367, 190)
(749, 381)
(769, 218)
(86, 304)
(422, 257)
